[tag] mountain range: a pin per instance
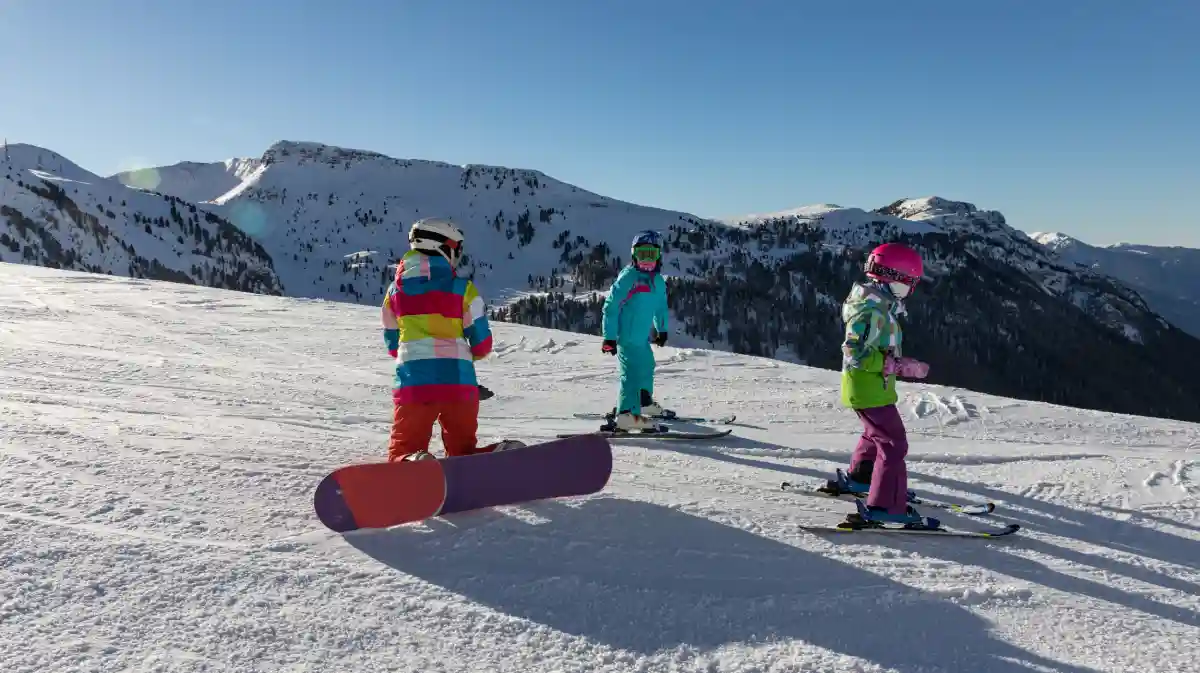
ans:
(1168, 277)
(1000, 311)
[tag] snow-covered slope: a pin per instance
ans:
(157, 514)
(189, 180)
(1167, 277)
(54, 213)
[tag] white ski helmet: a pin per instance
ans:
(434, 234)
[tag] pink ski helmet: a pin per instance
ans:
(895, 263)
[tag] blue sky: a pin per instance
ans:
(1072, 116)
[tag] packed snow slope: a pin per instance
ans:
(1168, 277)
(161, 443)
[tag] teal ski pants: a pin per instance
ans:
(636, 364)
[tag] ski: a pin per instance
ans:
(973, 509)
(721, 420)
(861, 521)
(664, 433)
(846, 527)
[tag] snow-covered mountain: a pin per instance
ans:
(998, 311)
(54, 213)
(334, 219)
(159, 516)
(983, 236)
(1168, 277)
(190, 180)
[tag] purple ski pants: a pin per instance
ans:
(880, 454)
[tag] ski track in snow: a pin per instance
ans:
(161, 443)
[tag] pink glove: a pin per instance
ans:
(909, 368)
(392, 354)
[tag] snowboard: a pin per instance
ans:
(380, 495)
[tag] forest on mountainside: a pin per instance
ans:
(981, 323)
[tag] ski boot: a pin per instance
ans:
(652, 409)
(844, 485)
(506, 445)
(877, 517)
(419, 455)
(626, 422)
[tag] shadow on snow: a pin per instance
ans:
(1034, 516)
(643, 578)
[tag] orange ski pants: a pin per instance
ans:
(412, 428)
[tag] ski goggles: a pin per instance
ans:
(646, 253)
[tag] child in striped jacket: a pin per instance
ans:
(435, 326)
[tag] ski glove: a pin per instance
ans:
(609, 347)
(660, 339)
(908, 368)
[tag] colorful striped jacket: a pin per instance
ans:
(436, 327)
(872, 332)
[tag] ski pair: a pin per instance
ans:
(860, 523)
(864, 520)
(667, 415)
(659, 431)
(841, 488)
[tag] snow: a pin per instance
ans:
(1166, 277)
(190, 180)
(161, 443)
(99, 224)
(1053, 239)
(311, 205)
(835, 218)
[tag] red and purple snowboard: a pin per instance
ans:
(379, 495)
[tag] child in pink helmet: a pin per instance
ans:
(871, 360)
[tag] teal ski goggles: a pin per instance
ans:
(646, 253)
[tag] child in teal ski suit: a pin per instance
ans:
(637, 304)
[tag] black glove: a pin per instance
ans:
(484, 393)
(660, 339)
(610, 346)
